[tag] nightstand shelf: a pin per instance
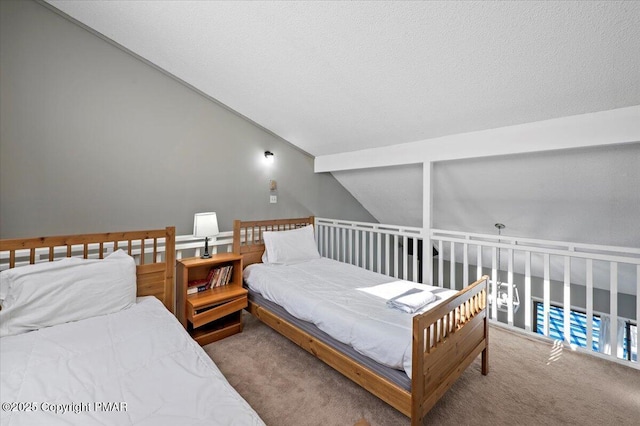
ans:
(215, 313)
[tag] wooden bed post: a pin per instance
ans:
(236, 236)
(417, 372)
(170, 261)
(485, 352)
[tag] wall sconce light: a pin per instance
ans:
(205, 225)
(268, 155)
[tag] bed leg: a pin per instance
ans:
(416, 421)
(485, 352)
(485, 362)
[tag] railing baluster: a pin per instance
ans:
(350, 245)
(325, 241)
(414, 272)
(465, 265)
(440, 264)
(510, 287)
(452, 267)
(371, 244)
(546, 294)
(379, 254)
(566, 302)
(494, 283)
(637, 305)
(527, 291)
(387, 254)
(363, 256)
(478, 262)
(613, 325)
(589, 290)
(213, 245)
(395, 256)
(332, 232)
(405, 257)
(357, 259)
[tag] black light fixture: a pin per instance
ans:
(269, 156)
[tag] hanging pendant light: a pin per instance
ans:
(502, 289)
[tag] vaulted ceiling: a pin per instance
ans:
(334, 77)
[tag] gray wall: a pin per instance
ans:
(586, 195)
(589, 195)
(93, 139)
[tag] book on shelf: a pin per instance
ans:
(197, 289)
(222, 276)
(216, 277)
(225, 276)
(196, 286)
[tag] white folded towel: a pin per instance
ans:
(412, 300)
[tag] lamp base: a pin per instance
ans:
(206, 254)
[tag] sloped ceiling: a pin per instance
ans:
(333, 77)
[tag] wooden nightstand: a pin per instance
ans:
(215, 313)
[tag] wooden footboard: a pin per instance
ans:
(446, 339)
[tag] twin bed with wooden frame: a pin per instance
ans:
(133, 366)
(446, 339)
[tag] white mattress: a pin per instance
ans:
(346, 302)
(140, 356)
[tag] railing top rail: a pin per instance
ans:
(220, 236)
(183, 242)
(546, 250)
(436, 233)
(368, 226)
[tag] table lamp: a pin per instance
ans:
(205, 225)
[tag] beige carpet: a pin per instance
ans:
(530, 383)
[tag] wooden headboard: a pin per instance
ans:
(247, 236)
(154, 276)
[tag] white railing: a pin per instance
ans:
(586, 278)
(387, 249)
(186, 245)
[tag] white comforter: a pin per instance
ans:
(135, 367)
(346, 302)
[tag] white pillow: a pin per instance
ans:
(71, 289)
(289, 247)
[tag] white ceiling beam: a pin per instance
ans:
(600, 128)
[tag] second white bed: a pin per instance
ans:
(139, 360)
(347, 302)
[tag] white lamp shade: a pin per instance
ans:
(205, 225)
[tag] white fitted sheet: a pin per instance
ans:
(141, 356)
(346, 302)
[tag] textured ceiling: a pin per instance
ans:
(334, 77)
